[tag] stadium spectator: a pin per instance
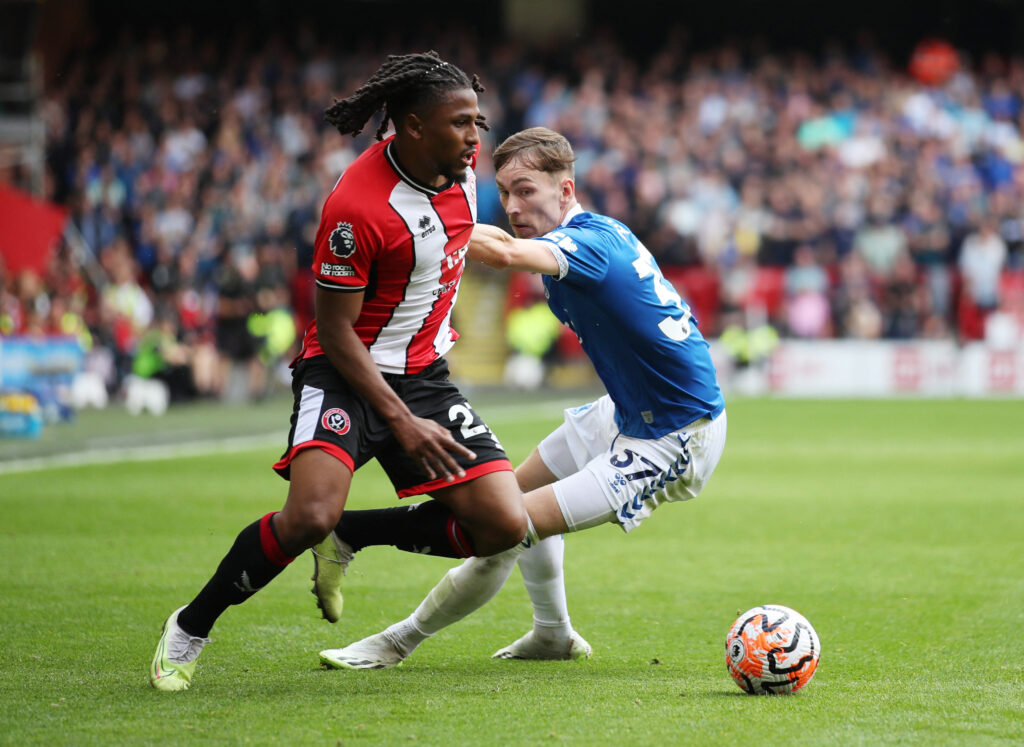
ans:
(126, 308)
(982, 259)
(902, 299)
(161, 355)
(240, 371)
(855, 310)
(807, 308)
(880, 241)
(930, 245)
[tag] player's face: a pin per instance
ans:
(533, 200)
(450, 135)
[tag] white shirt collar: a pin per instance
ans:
(573, 212)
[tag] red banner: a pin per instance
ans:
(29, 229)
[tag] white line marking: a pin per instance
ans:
(508, 413)
(142, 453)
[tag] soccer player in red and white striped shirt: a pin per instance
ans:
(371, 380)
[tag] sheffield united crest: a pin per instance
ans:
(336, 420)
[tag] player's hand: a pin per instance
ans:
(431, 446)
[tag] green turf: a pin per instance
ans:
(897, 528)
(114, 428)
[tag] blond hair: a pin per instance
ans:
(537, 148)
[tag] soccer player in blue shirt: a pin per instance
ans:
(655, 437)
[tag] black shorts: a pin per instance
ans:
(331, 416)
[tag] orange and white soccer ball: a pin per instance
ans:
(772, 649)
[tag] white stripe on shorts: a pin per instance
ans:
(309, 414)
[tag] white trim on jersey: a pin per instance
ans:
(556, 250)
(573, 212)
(341, 288)
(391, 348)
(409, 178)
(444, 339)
(559, 255)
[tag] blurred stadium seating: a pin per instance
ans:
(191, 156)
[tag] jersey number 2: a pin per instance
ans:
(463, 413)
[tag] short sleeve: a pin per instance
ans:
(346, 246)
(581, 254)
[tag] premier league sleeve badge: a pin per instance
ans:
(342, 241)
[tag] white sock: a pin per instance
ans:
(463, 589)
(541, 567)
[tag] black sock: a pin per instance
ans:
(428, 528)
(251, 563)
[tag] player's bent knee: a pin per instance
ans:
(301, 524)
(318, 525)
(502, 533)
(490, 509)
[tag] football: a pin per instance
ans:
(772, 649)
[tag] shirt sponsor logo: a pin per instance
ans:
(336, 271)
(455, 259)
(336, 420)
(562, 241)
(445, 287)
(342, 241)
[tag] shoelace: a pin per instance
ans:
(343, 561)
(183, 648)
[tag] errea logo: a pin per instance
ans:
(426, 227)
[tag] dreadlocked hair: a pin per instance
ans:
(403, 83)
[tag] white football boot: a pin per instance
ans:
(532, 647)
(377, 651)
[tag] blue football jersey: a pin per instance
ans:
(638, 332)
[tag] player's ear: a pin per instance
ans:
(567, 190)
(412, 126)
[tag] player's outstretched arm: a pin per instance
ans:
(495, 248)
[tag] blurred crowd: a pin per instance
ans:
(826, 195)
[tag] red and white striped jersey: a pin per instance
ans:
(404, 244)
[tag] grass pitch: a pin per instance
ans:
(897, 528)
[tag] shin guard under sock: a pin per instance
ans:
(428, 528)
(251, 563)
